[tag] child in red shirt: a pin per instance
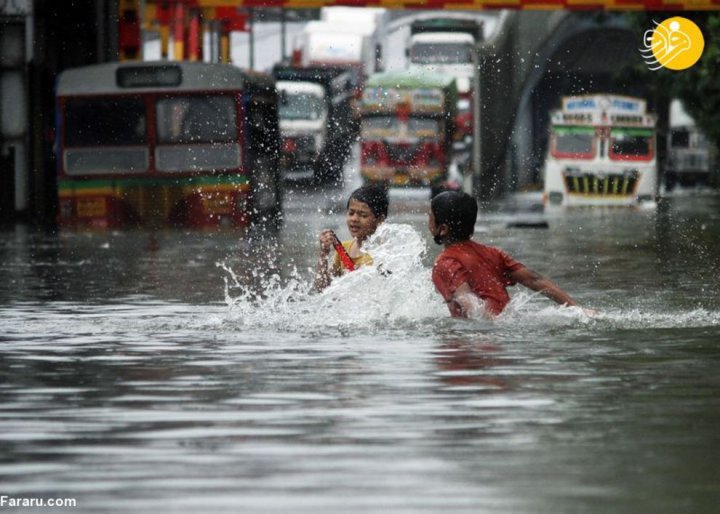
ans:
(466, 271)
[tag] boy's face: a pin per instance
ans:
(437, 232)
(361, 221)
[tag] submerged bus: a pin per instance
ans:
(154, 144)
(602, 152)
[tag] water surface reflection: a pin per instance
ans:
(136, 376)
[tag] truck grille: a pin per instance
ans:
(619, 184)
(401, 153)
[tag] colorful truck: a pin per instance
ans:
(407, 128)
(602, 152)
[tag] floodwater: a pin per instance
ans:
(196, 371)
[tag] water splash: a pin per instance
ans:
(533, 309)
(636, 318)
(396, 289)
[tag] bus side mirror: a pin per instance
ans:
(283, 98)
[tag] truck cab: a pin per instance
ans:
(439, 52)
(449, 46)
(303, 113)
(317, 123)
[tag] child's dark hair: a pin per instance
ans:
(374, 196)
(458, 211)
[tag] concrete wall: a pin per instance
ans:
(15, 52)
(507, 59)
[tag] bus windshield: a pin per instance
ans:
(441, 53)
(196, 119)
(577, 142)
(300, 106)
(197, 133)
(105, 135)
(117, 121)
(630, 143)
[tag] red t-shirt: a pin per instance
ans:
(486, 270)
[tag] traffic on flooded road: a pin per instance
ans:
(248, 302)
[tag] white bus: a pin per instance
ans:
(601, 152)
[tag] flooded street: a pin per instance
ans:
(196, 371)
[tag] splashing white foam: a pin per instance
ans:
(533, 308)
(396, 289)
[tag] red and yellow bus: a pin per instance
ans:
(154, 144)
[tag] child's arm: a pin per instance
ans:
(324, 273)
(537, 282)
(323, 278)
(470, 304)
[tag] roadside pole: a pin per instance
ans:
(472, 181)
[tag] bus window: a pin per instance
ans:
(573, 142)
(105, 122)
(197, 133)
(196, 119)
(104, 135)
(631, 144)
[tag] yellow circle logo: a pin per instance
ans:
(676, 43)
